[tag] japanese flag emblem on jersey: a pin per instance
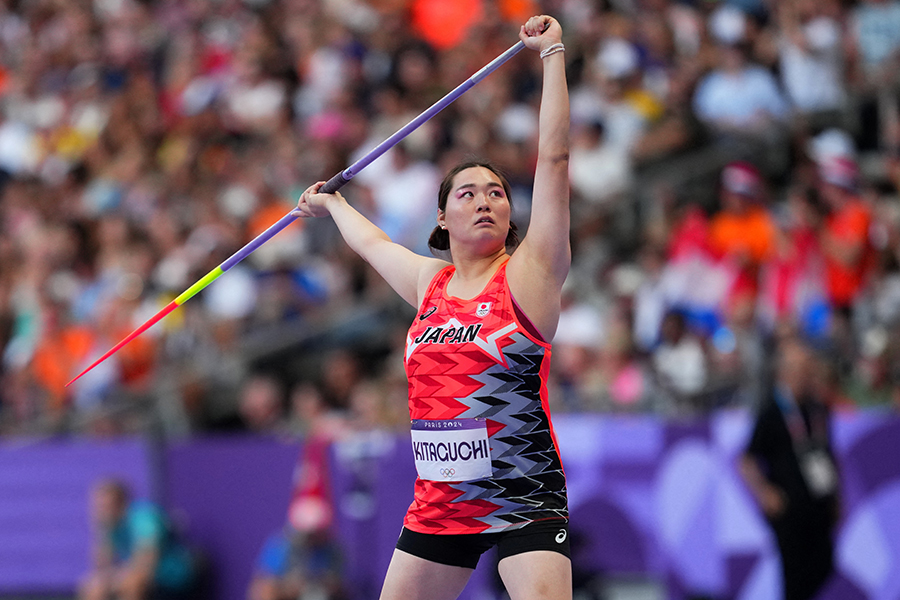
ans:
(483, 309)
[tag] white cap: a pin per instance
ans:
(728, 24)
(517, 123)
(617, 58)
(831, 143)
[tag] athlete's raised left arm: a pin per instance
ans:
(539, 266)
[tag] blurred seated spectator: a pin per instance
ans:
(626, 384)
(577, 344)
(138, 555)
(811, 59)
(875, 42)
(845, 232)
(649, 303)
(792, 280)
(876, 35)
(694, 280)
(873, 380)
(309, 415)
(737, 355)
(297, 566)
(677, 128)
(742, 233)
(614, 93)
(61, 348)
(600, 172)
(738, 97)
(402, 187)
(680, 364)
(340, 372)
(261, 405)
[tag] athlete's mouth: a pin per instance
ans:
(485, 220)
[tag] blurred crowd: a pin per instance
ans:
(734, 174)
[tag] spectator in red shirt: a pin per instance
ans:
(792, 281)
(845, 233)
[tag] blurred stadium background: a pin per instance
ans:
(144, 141)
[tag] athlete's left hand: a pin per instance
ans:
(540, 32)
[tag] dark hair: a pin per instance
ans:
(116, 488)
(440, 239)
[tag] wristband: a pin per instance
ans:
(557, 47)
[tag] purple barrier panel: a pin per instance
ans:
(610, 464)
(655, 499)
(868, 544)
(662, 501)
(686, 520)
(232, 492)
(44, 512)
(869, 455)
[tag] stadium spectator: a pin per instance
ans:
(791, 472)
(792, 280)
(295, 565)
(811, 61)
(742, 232)
(680, 366)
(845, 233)
(876, 43)
(137, 554)
(738, 97)
(262, 404)
(617, 95)
(739, 102)
(600, 172)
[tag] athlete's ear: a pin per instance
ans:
(441, 219)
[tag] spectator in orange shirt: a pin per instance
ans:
(845, 232)
(62, 347)
(743, 232)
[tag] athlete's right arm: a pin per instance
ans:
(405, 271)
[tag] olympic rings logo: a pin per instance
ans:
(448, 472)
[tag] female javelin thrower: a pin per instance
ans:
(477, 357)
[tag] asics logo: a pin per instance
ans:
(561, 536)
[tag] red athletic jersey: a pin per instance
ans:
(478, 359)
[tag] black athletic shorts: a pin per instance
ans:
(464, 550)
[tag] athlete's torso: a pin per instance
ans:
(479, 361)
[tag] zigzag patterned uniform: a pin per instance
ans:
(479, 362)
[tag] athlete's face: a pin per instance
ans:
(477, 210)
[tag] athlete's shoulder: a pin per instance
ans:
(430, 274)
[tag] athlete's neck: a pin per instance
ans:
(473, 273)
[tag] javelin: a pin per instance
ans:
(330, 187)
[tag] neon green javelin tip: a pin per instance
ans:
(195, 289)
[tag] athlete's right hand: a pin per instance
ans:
(314, 204)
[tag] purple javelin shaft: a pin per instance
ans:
(333, 184)
(338, 181)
